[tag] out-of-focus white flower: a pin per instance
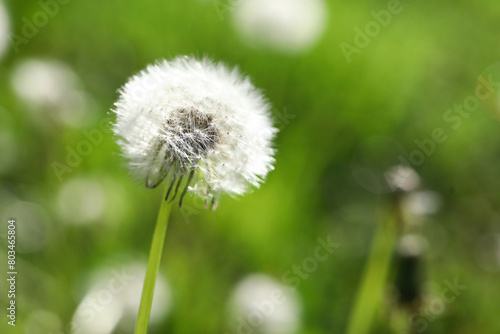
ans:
(52, 86)
(41, 82)
(412, 245)
(259, 303)
(81, 201)
(195, 120)
(113, 300)
(402, 178)
(422, 202)
(4, 29)
(288, 25)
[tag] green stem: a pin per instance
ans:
(141, 326)
(370, 292)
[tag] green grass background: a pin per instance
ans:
(425, 61)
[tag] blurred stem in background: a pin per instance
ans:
(370, 292)
(141, 326)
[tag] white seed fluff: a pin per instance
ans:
(196, 120)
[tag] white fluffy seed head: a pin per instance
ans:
(198, 119)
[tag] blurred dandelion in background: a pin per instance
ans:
(4, 29)
(90, 199)
(112, 301)
(52, 87)
(412, 245)
(423, 202)
(402, 178)
(81, 201)
(261, 303)
(415, 202)
(284, 25)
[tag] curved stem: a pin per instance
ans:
(141, 326)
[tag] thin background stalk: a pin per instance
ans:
(141, 326)
(370, 292)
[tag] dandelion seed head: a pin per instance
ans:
(194, 116)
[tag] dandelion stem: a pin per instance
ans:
(141, 326)
(370, 292)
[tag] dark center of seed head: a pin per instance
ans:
(195, 130)
(195, 134)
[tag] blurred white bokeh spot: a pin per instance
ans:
(31, 225)
(42, 322)
(45, 83)
(81, 201)
(412, 245)
(403, 178)
(287, 25)
(103, 322)
(422, 203)
(4, 29)
(113, 300)
(53, 87)
(260, 304)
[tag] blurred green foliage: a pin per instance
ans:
(428, 59)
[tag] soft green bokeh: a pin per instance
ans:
(399, 87)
